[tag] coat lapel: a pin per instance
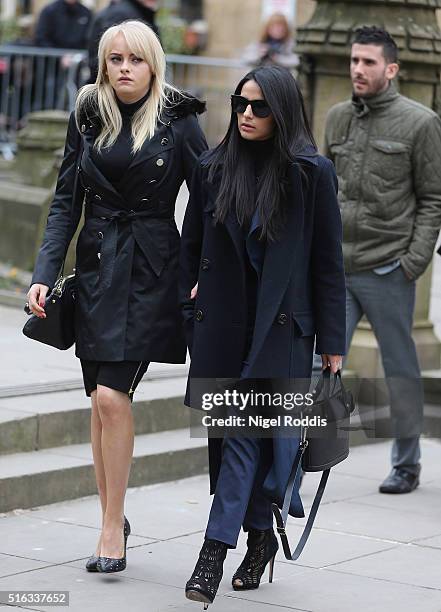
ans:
(277, 267)
(231, 225)
(161, 141)
(87, 165)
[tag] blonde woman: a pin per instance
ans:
(131, 142)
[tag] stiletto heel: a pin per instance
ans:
(107, 565)
(207, 574)
(262, 549)
(271, 568)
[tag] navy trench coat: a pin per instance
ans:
(127, 305)
(301, 296)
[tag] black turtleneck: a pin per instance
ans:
(114, 161)
(260, 152)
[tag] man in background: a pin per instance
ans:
(387, 153)
(63, 24)
(117, 12)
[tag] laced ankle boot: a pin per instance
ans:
(207, 574)
(262, 549)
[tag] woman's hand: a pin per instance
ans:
(194, 292)
(335, 362)
(36, 299)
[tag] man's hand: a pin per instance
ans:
(335, 362)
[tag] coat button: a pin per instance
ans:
(282, 318)
(159, 162)
(145, 199)
(100, 235)
(199, 315)
(164, 141)
(97, 197)
(205, 264)
(83, 128)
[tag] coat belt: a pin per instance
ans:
(141, 235)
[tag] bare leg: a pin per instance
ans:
(117, 440)
(100, 476)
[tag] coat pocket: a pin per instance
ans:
(302, 344)
(389, 160)
(304, 324)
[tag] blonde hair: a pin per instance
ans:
(100, 95)
(276, 18)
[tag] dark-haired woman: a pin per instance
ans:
(262, 276)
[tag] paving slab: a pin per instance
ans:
(425, 501)
(13, 564)
(98, 593)
(339, 487)
(373, 521)
(162, 511)
(434, 542)
(407, 564)
(42, 540)
(376, 465)
(326, 590)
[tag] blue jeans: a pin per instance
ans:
(388, 302)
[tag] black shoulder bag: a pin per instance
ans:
(318, 452)
(58, 328)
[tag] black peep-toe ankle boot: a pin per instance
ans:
(262, 549)
(207, 574)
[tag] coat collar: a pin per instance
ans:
(362, 106)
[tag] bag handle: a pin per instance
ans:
(281, 517)
(324, 382)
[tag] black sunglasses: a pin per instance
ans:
(260, 108)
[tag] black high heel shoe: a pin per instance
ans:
(262, 549)
(207, 574)
(107, 565)
(91, 564)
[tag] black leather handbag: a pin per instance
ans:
(58, 328)
(318, 451)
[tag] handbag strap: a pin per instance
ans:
(74, 194)
(281, 517)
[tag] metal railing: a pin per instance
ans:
(34, 78)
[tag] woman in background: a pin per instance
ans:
(276, 45)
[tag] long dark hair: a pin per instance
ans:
(292, 135)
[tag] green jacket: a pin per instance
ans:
(387, 154)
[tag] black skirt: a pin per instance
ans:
(122, 376)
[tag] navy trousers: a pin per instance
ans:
(239, 500)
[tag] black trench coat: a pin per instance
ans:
(127, 305)
(301, 295)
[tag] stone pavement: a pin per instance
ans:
(367, 553)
